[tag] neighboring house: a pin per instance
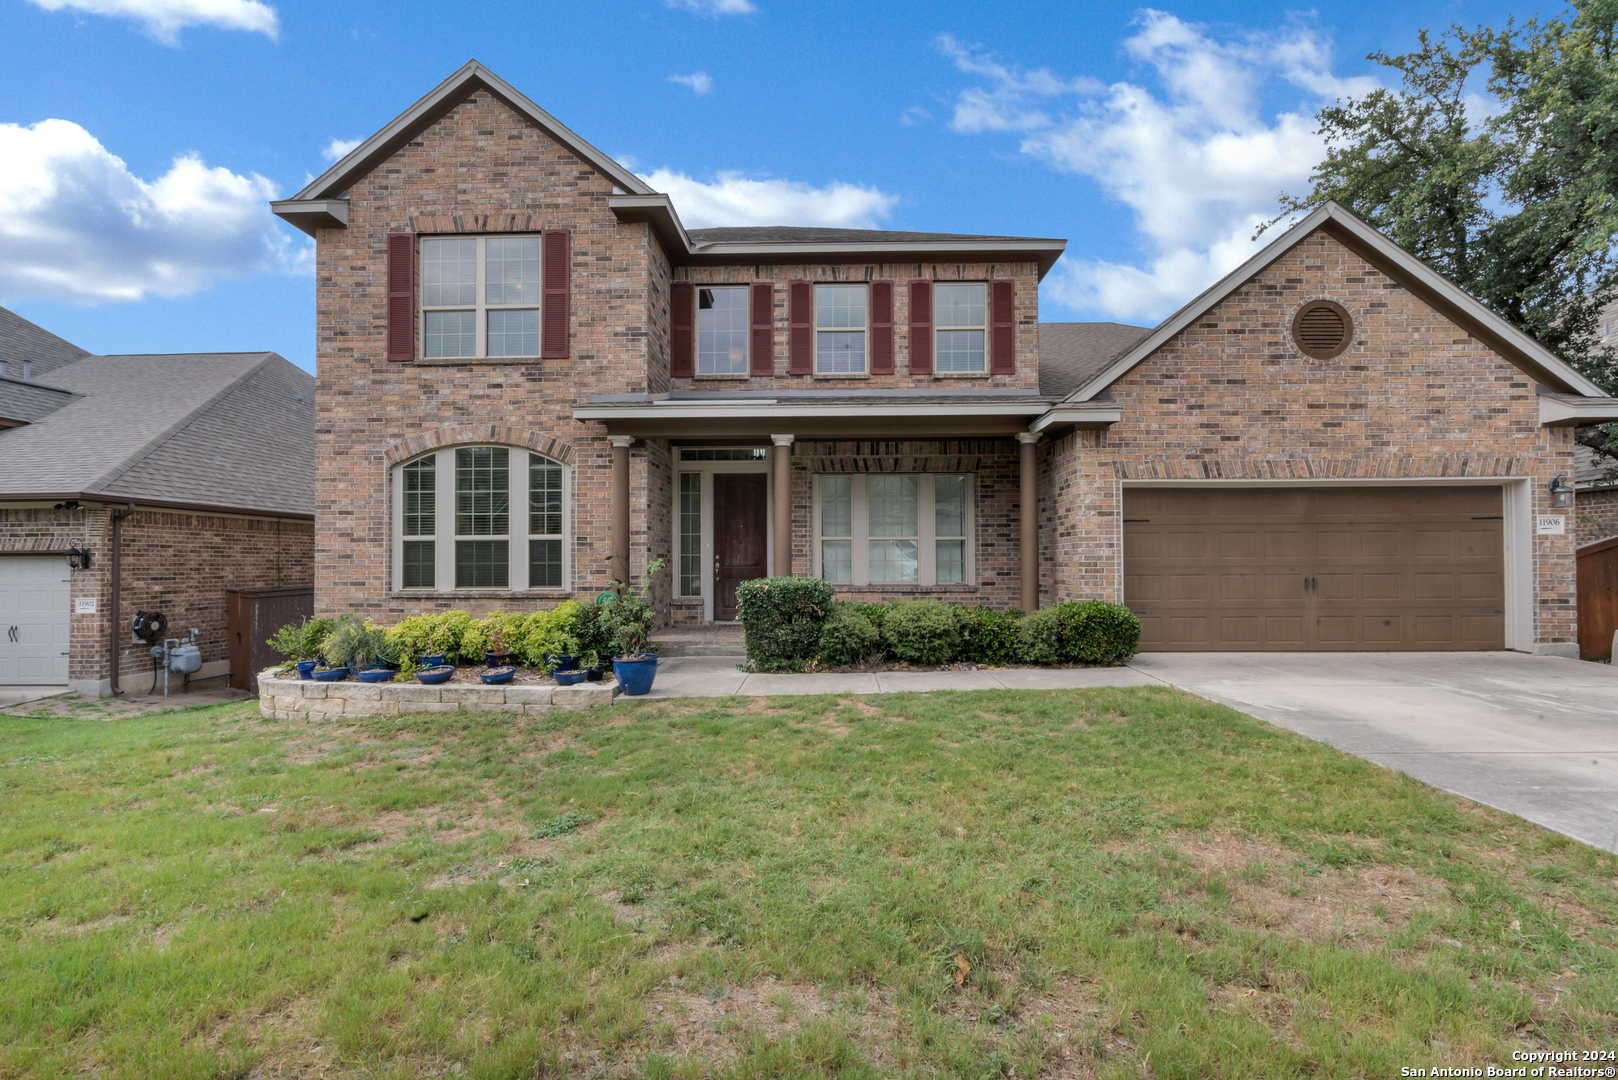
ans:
(185, 475)
(1597, 483)
(534, 380)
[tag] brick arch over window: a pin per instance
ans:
(485, 434)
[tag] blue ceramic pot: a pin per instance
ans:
(431, 660)
(563, 663)
(305, 667)
(496, 659)
(497, 676)
(570, 678)
(434, 676)
(595, 674)
(635, 675)
(336, 674)
(376, 674)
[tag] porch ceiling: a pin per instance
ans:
(684, 418)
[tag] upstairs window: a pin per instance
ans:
(480, 296)
(722, 331)
(840, 329)
(961, 327)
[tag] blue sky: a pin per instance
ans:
(140, 139)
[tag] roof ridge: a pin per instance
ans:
(111, 476)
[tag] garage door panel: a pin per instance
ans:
(1387, 568)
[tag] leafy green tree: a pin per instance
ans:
(1495, 160)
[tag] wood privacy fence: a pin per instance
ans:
(1598, 597)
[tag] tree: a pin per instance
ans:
(1515, 199)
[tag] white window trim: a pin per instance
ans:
(708, 469)
(926, 524)
(983, 326)
(817, 329)
(444, 536)
(482, 309)
(747, 334)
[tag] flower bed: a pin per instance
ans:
(295, 699)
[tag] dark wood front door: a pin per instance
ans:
(739, 536)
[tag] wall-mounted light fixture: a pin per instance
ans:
(1561, 493)
(77, 558)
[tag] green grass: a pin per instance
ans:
(1112, 882)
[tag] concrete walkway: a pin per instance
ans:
(1536, 736)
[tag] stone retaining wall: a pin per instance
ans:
(297, 699)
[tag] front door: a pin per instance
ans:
(740, 538)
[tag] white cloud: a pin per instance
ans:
(714, 7)
(1197, 157)
(339, 148)
(734, 199)
(164, 19)
(77, 225)
(700, 82)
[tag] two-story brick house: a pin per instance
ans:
(534, 380)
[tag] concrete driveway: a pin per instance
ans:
(1536, 736)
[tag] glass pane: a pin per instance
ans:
(840, 353)
(892, 503)
(544, 564)
(511, 272)
(418, 564)
(420, 492)
(949, 501)
(840, 306)
(544, 496)
(722, 331)
(951, 561)
(960, 350)
(836, 506)
(482, 491)
(893, 560)
(514, 333)
(690, 534)
(837, 560)
(958, 305)
(449, 272)
(723, 453)
(481, 564)
(451, 333)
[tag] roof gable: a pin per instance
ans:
(1401, 266)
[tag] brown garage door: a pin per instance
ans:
(1315, 568)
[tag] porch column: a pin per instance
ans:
(783, 504)
(1028, 521)
(618, 566)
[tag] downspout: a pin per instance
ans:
(117, 585)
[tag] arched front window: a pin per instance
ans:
(481, 518)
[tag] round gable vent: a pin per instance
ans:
(1322, 329)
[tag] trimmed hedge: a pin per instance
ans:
(923, 632)
(1094, 632)
(849, 637)
(782, 618)
(989, 636)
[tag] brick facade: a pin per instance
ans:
(1231, 397)
(1596, 511)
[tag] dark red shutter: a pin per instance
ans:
(921, 328)
(1002, 328)
(800, 328)
(555, 318)
(682, 329)
(881, 328)
(762, 346)
(401, 297)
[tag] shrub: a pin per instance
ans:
(923, 632)
(990, 635)
(1095, 632)
(499, 631)
(595, 633)
(848, 637)
(358, 642)
(551, 633)
(301, 641)
(1040, 637)
(433, 632)
(782, 619)
(876, 613)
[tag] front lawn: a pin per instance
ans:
(1068, 883)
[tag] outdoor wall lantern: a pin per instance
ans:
(1561, 493)
(77, 558)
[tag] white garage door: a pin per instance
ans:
(34, 607)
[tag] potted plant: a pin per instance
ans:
(630, 622)
(302, 643)
(574, 672)
(595, 637)
(496, 653)
(361, 646)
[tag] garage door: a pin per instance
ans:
(34, 605)
(1315, 568)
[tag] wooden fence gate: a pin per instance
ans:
(1598, 597)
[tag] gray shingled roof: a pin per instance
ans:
(794, 234)
(24, 401)
(1073, 353)
(1586, 470)
(22, 340)
(232, 430)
